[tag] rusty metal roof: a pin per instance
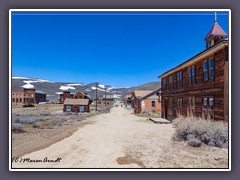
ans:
(216, 30)
(69, 101)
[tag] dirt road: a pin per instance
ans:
(120, 139)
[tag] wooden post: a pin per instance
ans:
(105, 96)
(96, 96)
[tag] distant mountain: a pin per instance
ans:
(53, 89)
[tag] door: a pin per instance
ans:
(166, 108)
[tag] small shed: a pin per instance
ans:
(76, 105)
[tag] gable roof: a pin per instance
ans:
(152, 95)
(69, 101)
(216, 30)
(141, 93)
(216, 47)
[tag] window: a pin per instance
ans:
(13, 100)
(153, 104)
(170, 82)
(170, 79)
(179, 79)
(81, 108)
(20, 100)
(164, 83)
(211, 69)
(208, 108)
(205, 70)
(208, 68)
(191, 106)
(189, 76)
(193, 74)
(68, 108)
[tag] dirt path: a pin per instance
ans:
(120, 139)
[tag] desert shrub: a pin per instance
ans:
(36, 125)
(30, 119)
(45, 113)
(191, 129)
(17, 127)
(193, 141)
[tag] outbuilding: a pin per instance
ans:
(76, 105)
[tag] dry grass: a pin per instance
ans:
(196, 131)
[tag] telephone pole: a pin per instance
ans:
(96, 96)
(105, 96)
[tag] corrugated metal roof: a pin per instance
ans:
(69, 101)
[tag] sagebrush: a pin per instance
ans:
(196, 131)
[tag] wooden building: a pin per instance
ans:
(64, 95)
(127, 100)
(76, 105)
(28, 96)
(199, 86)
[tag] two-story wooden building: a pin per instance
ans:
(199, 86)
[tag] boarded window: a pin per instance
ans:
(191, 106)
(170, 106)
(179, 106)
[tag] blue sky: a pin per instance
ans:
(120, 49)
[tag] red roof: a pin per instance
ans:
(216, 30)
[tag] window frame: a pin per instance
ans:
(211, 77)
(208, 110)
(205, 70)
(153, 103)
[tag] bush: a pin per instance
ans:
(17, 127)
(192, 130)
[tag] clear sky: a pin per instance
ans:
(115, 48)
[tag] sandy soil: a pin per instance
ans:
(120, 139)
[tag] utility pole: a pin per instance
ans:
(96, 96)
(105, 96)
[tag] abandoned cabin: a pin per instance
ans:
(146, 101)
(76, 105)
(199, 86)
(28, 96)
(64, 95)
(78, 95)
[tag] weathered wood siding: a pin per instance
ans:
(217, 88)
